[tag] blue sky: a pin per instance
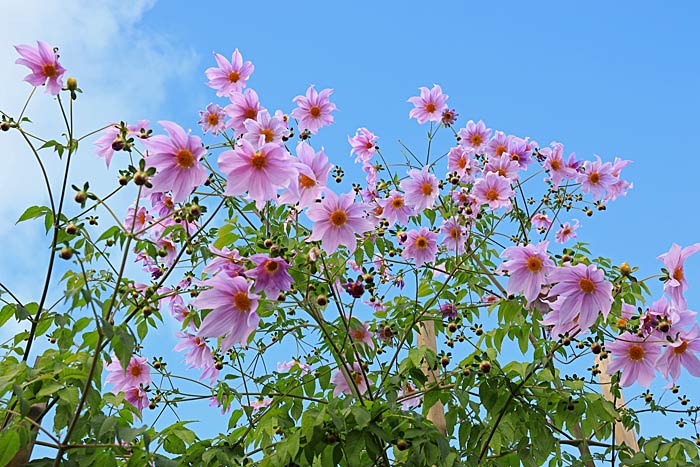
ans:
(608, 78)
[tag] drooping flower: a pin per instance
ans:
(674, 261)
(635, 356)
(420, 246)
(449, 311)
(226, 260)
(597, 178)
(620, 187)
(475, 136)
(337, 219)
(682, 352)
(410, 397)
(264, 129)
(455, 235)
(270, 275)
(527, 267)
(44, 66)
(314, 109)
(213, 119)
(311, 182)
(429, 105)
(363, 144)
(567, 232)
(394, 208)
(343, 386)
(421, 189)
(305, 368)
(355, 288)
(494, 190)
(259, 404)
(260, 172)
(360, 333)
(541, 220)
(105, 143)
(583, 291)
(229, 77)
(555, 164)
(243, 106)
(136, 373)
(198, 355)
(233, 306)
(137, 397)
(177, 160)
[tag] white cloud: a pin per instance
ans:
(124, 68)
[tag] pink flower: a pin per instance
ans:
(233, 310)
(503, 165)
(620, 187)
(585, 293)
(343, 386)
(459, 160)
(213, 119)
(363, 144)
(681, 352)
(43, 62)
(264, 129)
(566, 232)
(554, 163)
(136, 373)
(420, 246)
(243, 106)
(410, 397)
(429, 105)
(226, 260)
(596, 178)
(360, 333)
(177, 160)
(527, 266)
(455, 235)
(337, 220)
(449, 311)
(229, 77)
(475, 136)
(314, 109)
(310, 183)
(198, 355)
(260, 172)
(421, 189)
(270, 275)
(137, 397)
(494, 190)
(674, 261)
(136, 220)
(260, 404)
(519, 151)
(635, 357)
(498, 145)
(105, 144)
(541, 220)
(394, 208)
(305, 368)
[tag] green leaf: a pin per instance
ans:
(123, 345)
(33, 212)
(6, 313)
(9, 445)
(174, 445)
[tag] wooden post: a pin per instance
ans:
(426, 336)
(622, 435)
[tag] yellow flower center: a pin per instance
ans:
(500, 150)
(339, 218)
(397, 203)
(636, 352)
(234, 76)
(271, 266)
(422, 242)
(555, 164)
(491, 194)
(185, 159)
(455, 232)
(315, 111)
(213, 119)
(268, 134)
(586, 285)
(681, 348)
(678, 274)
(430, 107)
(594, 178)
(242, 301)
(258, 161)
(534, 264)
(426, 189)
(306, 182)
(49, 70)
(251, 113)
(476, 139)
(135, 371)
(462, 162)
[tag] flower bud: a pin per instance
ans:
(4, 126)
(66, 252)
(71, 229)
(140, 178)
(485, 366)
(625, 269)
(322, 300)
(72, 84)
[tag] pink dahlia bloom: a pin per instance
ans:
(494, 190)
(429, 105)
(635, 357)
(213, 119)
(244, 106)
(567, 232)
(620, 187)
(265, 129)
(337, 219)
(270, 275)
(504, 166)
(674, 261)
(541, 220)
(343, 386)
(421, 189)
(584, 292)
(137, 397)
(229, 77)
(597, 178)
(360, 333)
(498, 145)
(556, 166)
(519, 150)
(459, 160)
(198, 355)
(661, 313)
(455, 235)
(527, 267)
(225, 260)
(104, 143)
(136, 220)
(233, 308)
(260, 172)
(410, 397)
(363, 144)
(44, 66)
(311, 182)
(137, 373)
(305, 368)
(475, 136)
(260, 404)
(560, 325)
(314, 109)
(394, 208)
(177, 159)
(420, 246)
(682, 352)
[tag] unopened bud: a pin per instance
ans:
(625, 269)
(72, 84)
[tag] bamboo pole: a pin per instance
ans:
(426, 336)
(622, 435)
